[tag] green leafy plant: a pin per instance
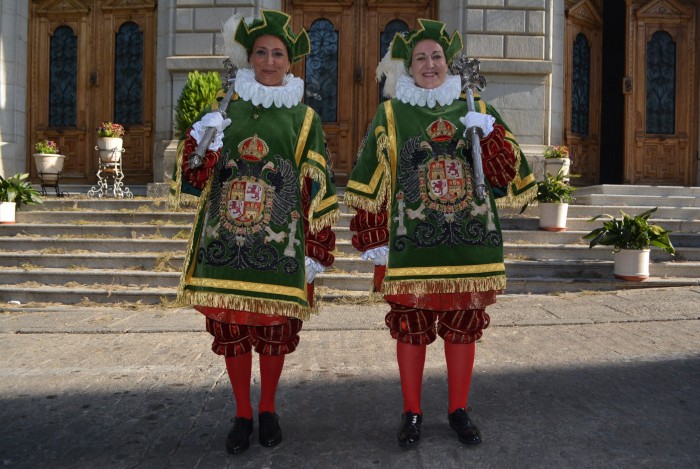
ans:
(199, 91)
(18, 190)
(47, 147)
(553, 190)
(110, 129)
(630, 232)
(560, 151)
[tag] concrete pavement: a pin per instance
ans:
(578, 380)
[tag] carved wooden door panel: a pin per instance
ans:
(582, 90)
(348, 38)
(660, 134)
(92, 61)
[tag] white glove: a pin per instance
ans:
(214, 120)
(313, 267)
(378, 256)
(476, 119)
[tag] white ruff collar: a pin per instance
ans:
(288, 94)
(409, 93)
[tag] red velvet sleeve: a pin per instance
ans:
(197, 177)
(318, 245)
(370, 229)
(498, 158)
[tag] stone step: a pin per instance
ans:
(114, 294)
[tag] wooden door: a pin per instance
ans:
(661, 111)
(92, 61)
(348, 39)
(582, 90)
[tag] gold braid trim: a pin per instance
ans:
(458, 285)
(257, 305)
(189, 263)
(317, 224)
(513, 201)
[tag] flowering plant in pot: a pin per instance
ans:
(110, 142)
(631, 236)
(557, 158)
(48, 160)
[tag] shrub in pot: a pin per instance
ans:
(48, 160)
(631, 238)
(199, 91)
(553, 197)
(14, 192)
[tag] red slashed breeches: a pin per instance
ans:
(231, 340)
(421, 326)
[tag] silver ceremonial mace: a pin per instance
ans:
(196, 158)
(468, 70)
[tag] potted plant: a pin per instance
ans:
(110, 142)
(553, 198)
(631, 238)
(15, 191)
(199, 91)
(557, 158)
(48, 160)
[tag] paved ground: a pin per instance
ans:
(572, 381)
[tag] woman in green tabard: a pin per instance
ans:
(437, 248)
(263, 224)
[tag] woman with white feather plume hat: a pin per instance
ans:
(436, 243)
(263, 226)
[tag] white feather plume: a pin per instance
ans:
(232, 49)
(392, 69)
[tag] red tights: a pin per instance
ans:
(460, 363)
(239, 372)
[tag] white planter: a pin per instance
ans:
(110, 149)
(49, 165)
(7, 212)
(553, 216)
(632, 264)
(553, 165)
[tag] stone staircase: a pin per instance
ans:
(79, 250)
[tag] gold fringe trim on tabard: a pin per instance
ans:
(189, 263)
(255, 305)
(424, 287)
(329, 219)
(513, 201)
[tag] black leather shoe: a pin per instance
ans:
(467, 432)
(238, 437)
(409, 433)
(270, 431)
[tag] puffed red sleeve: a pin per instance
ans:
(498, 157)
(321, 244)
(198, 177)
(370, 229)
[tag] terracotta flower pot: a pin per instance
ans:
(7, 212)
(553, 216)
(110, 149)
(554, 165)
(49, 166)
(632, 264)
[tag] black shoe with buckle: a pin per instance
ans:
(270, 431)
(238, 437)
(409, 433)
(467, 432)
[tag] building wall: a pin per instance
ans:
(13, 86)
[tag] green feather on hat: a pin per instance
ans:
(402, 45)
(274, 23)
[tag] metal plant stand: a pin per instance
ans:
(110, 169)
(47, 180)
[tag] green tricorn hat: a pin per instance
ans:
(274, 23)
(403, 44)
